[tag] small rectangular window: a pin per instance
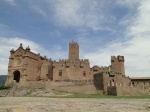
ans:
(95, 70)
(60, 72)
(84, 73)
(81, 66)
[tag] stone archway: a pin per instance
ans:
(17, 76)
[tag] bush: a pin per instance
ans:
(4, 87)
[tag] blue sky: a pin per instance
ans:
(101, 28)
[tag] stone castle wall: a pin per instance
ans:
(72, 70)
(29, 69)
(127, 90)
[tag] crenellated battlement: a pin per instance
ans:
(121, 58)
(104, 68)
(100, 69)
(117, 58)
(84, 60)
(72, 61)
(67, 62)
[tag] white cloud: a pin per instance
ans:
(82, 13)
(135, 47)
(140, 25)
(75, 13)
(11, 2)
(128, 3)
(39, 10)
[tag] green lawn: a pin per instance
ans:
(100, 96)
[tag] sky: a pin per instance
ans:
(102, 28)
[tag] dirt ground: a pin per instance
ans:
(43, 104)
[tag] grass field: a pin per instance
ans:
(100, 96)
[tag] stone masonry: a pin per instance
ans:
(26, 68)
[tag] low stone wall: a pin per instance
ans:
(84, 89)
(56, 83)
(127, 90)
(146, 90)
(77, 86)
(112, 90)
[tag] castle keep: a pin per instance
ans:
(26, 68)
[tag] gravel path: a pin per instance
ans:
(33, 104)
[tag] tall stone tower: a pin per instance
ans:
(117, 64)
(73, 51)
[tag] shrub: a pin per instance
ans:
(4, 87)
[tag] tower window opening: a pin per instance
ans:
(60, 72)
(84, 73)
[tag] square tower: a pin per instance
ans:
(73, 51)
(117, 64)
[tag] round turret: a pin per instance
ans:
(12, 51)
(21, 45)
(28, 48)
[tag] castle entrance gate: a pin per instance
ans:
(17, 76)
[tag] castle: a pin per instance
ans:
(27, 69)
